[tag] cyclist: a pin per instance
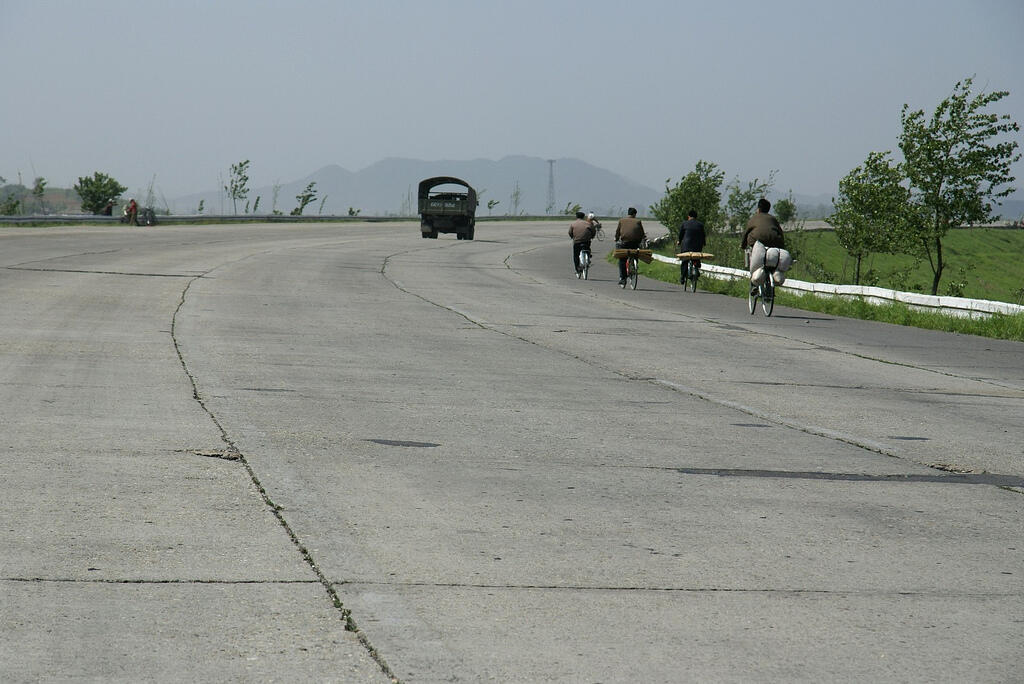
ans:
(764, 228)
(582, 232)
(691, 239)
(596, 224)
(629, 234)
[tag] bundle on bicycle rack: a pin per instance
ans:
(695, 255)
(644, 255)
(772, 257)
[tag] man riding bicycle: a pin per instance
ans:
(691, 239)
(582, 232)
(629, 234)
(764, 228)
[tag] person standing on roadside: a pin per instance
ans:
(131, 212)
(629, 234)
(582, 232)
(691, 239)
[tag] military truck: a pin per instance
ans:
(447, 210)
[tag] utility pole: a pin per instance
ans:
(551, 187)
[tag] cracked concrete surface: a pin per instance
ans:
(489, 469)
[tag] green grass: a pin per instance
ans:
(996, 327)
(980, 263)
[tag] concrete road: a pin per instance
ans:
(344, 453)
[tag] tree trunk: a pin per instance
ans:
(856, 275)
(938, 265)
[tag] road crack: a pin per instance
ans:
(232, 453)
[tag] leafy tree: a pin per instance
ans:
(785, 208)
(10, 205)
(698, 190)
(38, 191)
(199, 210)
(305, 198)
(957, 162)
(98, 191)
(571, 209)
(237, 187)
(491, 203)
(740, 201)
(352, 211)
(872, 210)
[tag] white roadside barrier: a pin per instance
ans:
(950, 306)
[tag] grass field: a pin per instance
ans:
(980, 263)
(990, 258)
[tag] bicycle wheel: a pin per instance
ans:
(768, 296)
(752, 298)
(633, 273)
(585, 263)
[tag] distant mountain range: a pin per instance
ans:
(389, 188)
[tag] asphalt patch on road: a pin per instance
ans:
(403, 443)
(952, 478)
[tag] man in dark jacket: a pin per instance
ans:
(582, 232)
(763, 227)
(629, 234)
(691, 239)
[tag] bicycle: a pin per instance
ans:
(692, 274)
(584, 264)
(765, 292)
(689, 279)
(632, 269)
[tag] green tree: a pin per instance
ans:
(491, 203)
(740, 201)
(699, 191)
(957, 162)
(10, 204)
(237, 187)
(305, 198)
(871, 213)
(571, 209)
(97, 191)
(38, 192)
(785, 209)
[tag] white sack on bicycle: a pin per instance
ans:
(785, 260)
(757, 276)
(757, 253)
(771, 257)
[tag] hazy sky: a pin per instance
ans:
(181, 90)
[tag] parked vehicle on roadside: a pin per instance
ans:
(446, 210)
